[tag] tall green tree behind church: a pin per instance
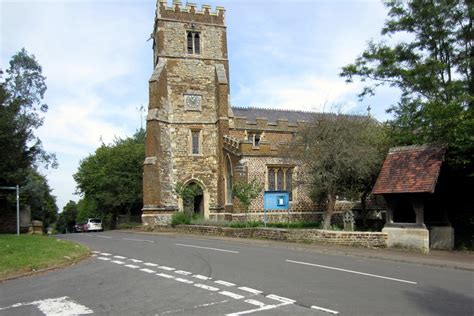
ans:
(433, 66)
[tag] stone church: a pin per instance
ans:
(196, 138)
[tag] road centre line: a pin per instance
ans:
(105, 254)
(184, 280)
(118, 262)
(103, 258)
(224, 283)
(132, 266)
(206, 287)
(209, 248)
(233, 295)
(150, 264)
(280, 298)
(136, 260)
(167, 276)
(166, 268)
(182, 272)
(134, 239)
(147, 270)
(352, 271)
(120, 257)
(201, 277)
(325, 310)
(247, 289)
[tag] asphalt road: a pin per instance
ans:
(138, 274)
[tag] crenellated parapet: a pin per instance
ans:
(263, 124)
(190, 12)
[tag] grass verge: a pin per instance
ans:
(28, 253)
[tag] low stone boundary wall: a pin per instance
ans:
(358, 239)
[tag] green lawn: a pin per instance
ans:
(25, 253)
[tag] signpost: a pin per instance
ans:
(275, 200)
(17, 188)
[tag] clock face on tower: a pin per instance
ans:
(192, 102)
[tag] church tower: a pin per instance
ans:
(187, 111)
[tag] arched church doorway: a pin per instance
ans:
(193, 204)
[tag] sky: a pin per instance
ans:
(97, 58)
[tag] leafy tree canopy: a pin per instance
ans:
(21, 96)
(341, 156)
(113, 175)
(434, 70)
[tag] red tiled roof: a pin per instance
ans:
(412, 169)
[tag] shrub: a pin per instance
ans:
(180, 218)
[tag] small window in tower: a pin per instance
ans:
(197, 44)
(195, 145)
(193, 42)
(190, 43)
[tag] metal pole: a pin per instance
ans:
(17, 209)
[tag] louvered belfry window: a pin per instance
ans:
(193, 42)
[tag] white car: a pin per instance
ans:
(93, 224)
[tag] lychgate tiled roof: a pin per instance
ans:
(412, 169)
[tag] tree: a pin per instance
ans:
(67, 218)
(434, 70)
(246, 192)
(21, 96)
(37, 194)
(113, 177)
(341, 156)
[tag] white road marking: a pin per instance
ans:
(55, 306)
(117, 262)
(103, 258)
(132, 266)
(233, 295)
(325, 310)
(224, 283)
(209, 248)
(165, 275)
(105, 254)
(263, 308)
(184, 281)
(351, 271)
(194, 307)
(150, 264)
(248, 289)
(120, 257)
(136, 260)
(201, 277)
(166, 268)
(147, 270)
(255, 302)
(95, 251)
(108, 237)
(134, 239)
(280, 298)
(182, 272)
(206, 287)
(94, 255)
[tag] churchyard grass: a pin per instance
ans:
(27, 253)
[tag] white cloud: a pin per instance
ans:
(305, 92)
